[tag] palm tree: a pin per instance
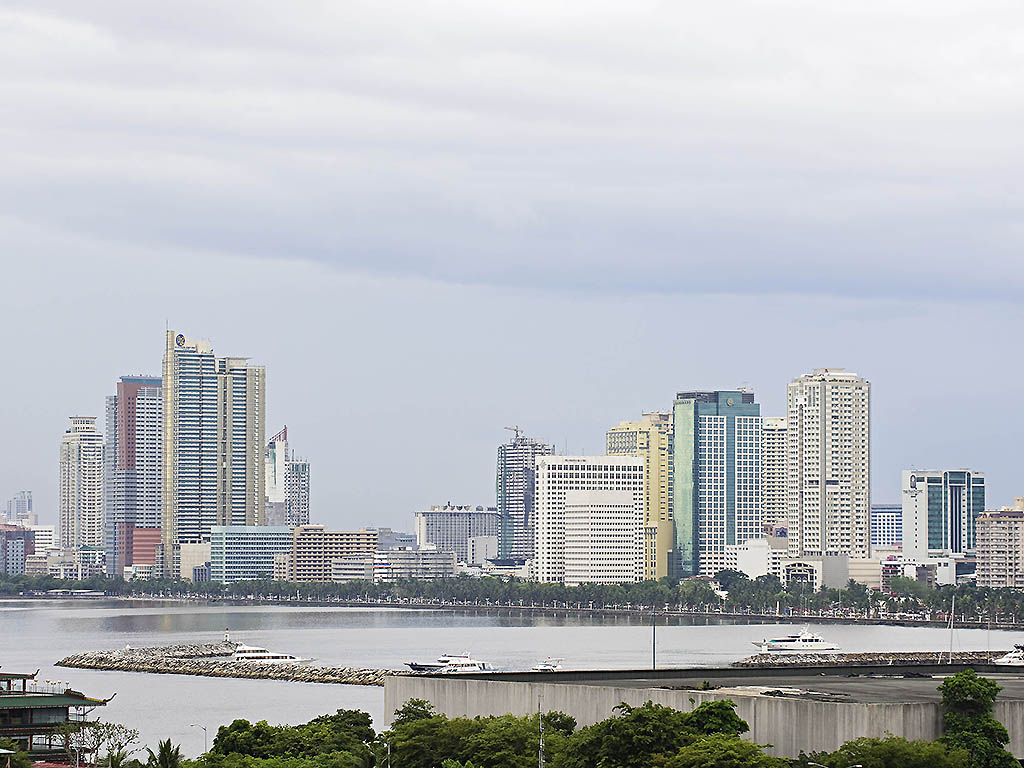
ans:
(167, 756)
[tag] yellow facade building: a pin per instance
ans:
(651, 439)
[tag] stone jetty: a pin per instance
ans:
(866, 659)
(214, 660)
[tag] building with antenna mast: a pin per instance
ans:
(515, 488)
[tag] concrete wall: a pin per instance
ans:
(789, 726)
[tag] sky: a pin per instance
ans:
(433, 220)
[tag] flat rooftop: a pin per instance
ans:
(865, 685)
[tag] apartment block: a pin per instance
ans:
(515, 484)
(1000, 547)
(81, 484)
(313, 549)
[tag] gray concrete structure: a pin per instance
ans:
(807, 709)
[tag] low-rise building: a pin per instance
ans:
(246, 552)
(16, 544)
(33, 714)
(391, 565)
(313, 549)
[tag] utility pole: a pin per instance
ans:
(654, 638)
(540, 721)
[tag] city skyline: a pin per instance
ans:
(399, 518)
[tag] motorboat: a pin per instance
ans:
(450, 662)
(550, 664)
(804, 641)
(1014, 658)
(262, 655)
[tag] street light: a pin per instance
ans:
(206, 736)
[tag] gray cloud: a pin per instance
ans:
(643, 147)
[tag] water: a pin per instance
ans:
(35, 634)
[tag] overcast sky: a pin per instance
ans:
(433, 220)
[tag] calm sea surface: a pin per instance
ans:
(35, 634)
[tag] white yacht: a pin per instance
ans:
(450, 662)
(262, 655)
(804, 641)
(1014, 658)
(549, 664)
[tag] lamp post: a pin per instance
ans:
(206, 736)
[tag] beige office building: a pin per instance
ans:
(651, 439)
(81, 484)
(314, 549)
(1000, 547)
(829, 487)
(214, 434)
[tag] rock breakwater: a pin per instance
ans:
(214, 660)
(866, 659)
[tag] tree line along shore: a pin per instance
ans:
(907, 602)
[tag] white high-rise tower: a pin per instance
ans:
(81, 484)
(829, 472)
(213, 429)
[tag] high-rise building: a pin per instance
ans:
(132, 466)
(886, 525)
(515, 493)
(939, 509)
(19, 509)
(214, 416)
(651, 439)
(1000, 547)
(589, 519)
(449, 527)
(774, 473)
(287, 484)
(716, 476)
(81, 484)
(829, 488)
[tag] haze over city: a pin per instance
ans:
(430, 222)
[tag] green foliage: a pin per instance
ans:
(967, 701)
(413, 709)
(723, 751)
(345, 733)
(907, 587)
(890, 752)
(167, 756)
(19, 759)
(642, 736)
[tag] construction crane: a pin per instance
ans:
(514, 429)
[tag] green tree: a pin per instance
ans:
(720, 750)
(890, 752)
(967, 701)
(413, 709)
(167, 756)
(19, 759)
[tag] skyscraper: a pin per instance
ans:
(515, 494)
(81, 484)
(939, 510)
(19, 509)
(589, 519)
(132, 467)
(774, 473)
(829, 487)
(214, 436)
(651, 439)
(287, 483)
(716, 476)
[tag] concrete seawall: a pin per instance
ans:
(214, 660)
